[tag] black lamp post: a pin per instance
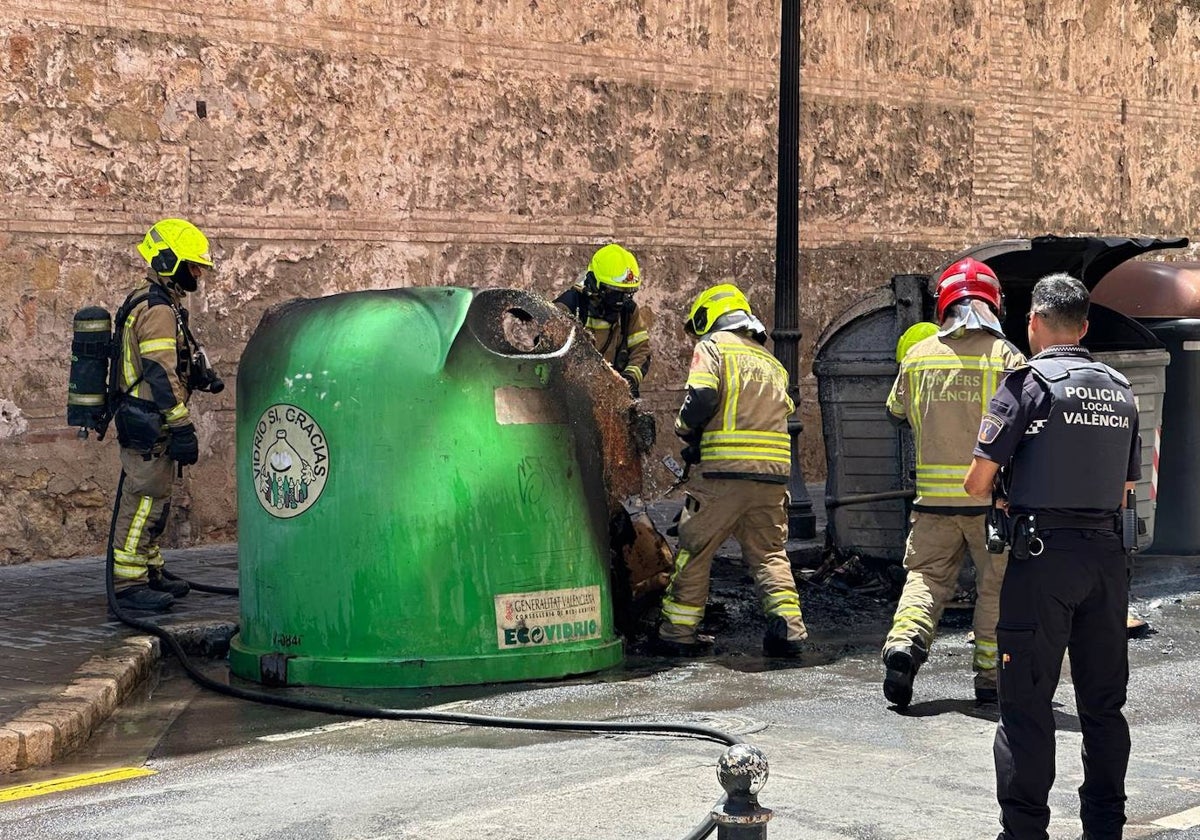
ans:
(802, 523)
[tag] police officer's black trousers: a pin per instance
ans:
(1073, 597)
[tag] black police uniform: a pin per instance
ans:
(1066, 427)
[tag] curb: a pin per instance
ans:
(52, 729)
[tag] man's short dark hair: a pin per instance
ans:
(1061, 301)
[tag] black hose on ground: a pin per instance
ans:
(203, 587)
(676, 730)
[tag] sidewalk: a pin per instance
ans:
(65, 666)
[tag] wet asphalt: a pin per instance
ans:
(842, 764)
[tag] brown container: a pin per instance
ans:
(1142, 289)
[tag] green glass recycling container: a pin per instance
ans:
(413, 507)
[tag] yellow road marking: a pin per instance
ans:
(102, 777)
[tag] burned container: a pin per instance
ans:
(1165, 298)
(414, 507)
(870, 462)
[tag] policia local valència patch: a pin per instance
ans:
(549, 617)
(1097, 407)
(290, 461)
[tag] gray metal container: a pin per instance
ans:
(1146, 371)
(865, 453)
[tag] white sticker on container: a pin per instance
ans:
(527, 405)
(290, 461)
(1191, 345)
(549, 617)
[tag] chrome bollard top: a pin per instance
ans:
(742, 770)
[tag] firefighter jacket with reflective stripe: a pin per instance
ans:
(155, 353)
(943, 390)
(1079, 458)
(746, 435)
(626, 350)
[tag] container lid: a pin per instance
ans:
(1022, 262)
(1142, 289)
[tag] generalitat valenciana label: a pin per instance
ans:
(551, 617)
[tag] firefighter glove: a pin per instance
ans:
(690, 453)
(633, 384)
(183, 448)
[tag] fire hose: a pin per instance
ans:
(741, 770)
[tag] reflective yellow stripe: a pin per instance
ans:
(786, 604)
(985, 655)
(780, 452)
(128, 373)
(942, 492)
(733, 389)
(914, 399)
(635, 372)
(598, 324)
(640, 337)
(752, 351)
(749, 436)
(723, 451)
(956, 363)
(702, 379)
(86, 399)
(681, 560)
(744, 455)
(155, 345)
(912, 618)
(128, 571)
(145, 503)
(683, 615)
(179, 410)
(93, 326)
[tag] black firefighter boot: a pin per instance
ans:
(174, 588)
(776, 643)
(901, 664)
(141, 598)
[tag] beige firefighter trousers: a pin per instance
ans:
(933, 557)
(145, 502)
(754, 513)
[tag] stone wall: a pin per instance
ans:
(330, 145)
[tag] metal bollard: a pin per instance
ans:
(742, 771)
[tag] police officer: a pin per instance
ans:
(1065, 430)
(941, 391)
(158, 367)
(602, 300)
(734, 422)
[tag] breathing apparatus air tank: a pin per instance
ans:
(87, 389)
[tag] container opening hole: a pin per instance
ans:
(521, 330)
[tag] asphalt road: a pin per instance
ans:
(842, 764)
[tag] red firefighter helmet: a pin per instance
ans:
(967, 278)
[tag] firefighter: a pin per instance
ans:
(941, 391)
(602, 300)
(157, 369)
(734, 424)
(1065, 430)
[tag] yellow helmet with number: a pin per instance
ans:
(711, 304)
(172, 242)
(615, 267)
